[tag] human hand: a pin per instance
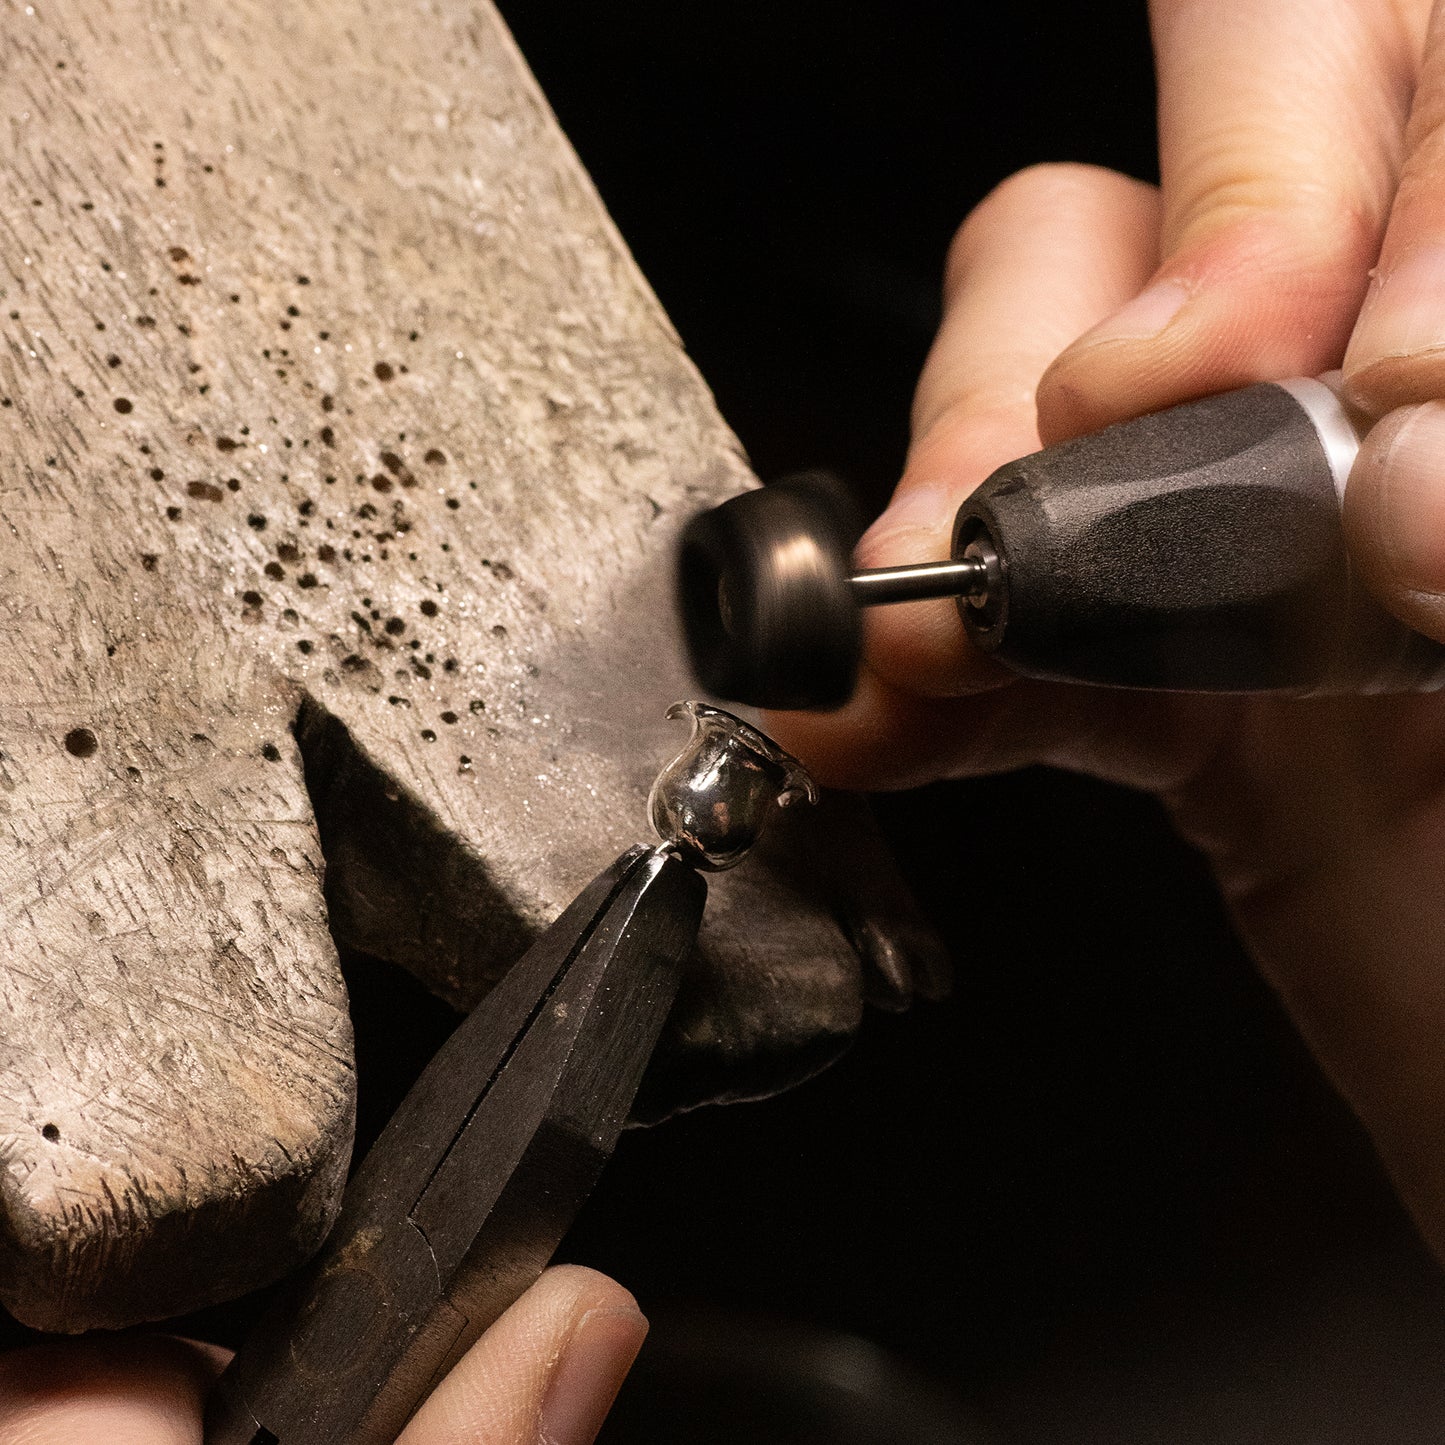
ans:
(547, 1372)
(1297, 138)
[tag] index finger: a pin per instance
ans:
(1281, 130)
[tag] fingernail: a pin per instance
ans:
(585, 1381)
(911, 524)
(1402, 478)
(1143, 317)
(1404, 312)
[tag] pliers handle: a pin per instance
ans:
(472, 1184)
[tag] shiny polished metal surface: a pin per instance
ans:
(920, 581)
(714, 798)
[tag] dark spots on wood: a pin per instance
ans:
(450, 665)
(383, 370)
(499, 631)
(227, 444)
(428, 608)
(328, 403)
(233, 484)
(51, 1134)
(81, 743)
(436, 457)
(476, 705)
(187, 279)
(275, 571)
(326, 553)
(173, 514)
(205, 491)
(399, 701)
(464, 764)
(133, 774)
(123, 405)
(112, 360)
(271, 752)
(449, 717)
(303, 280)
(257, 521)
(304, 645)
(149, 561)
(395, 626)
(157, 475)
(179, 254)
(452, 503)
(354, 663)
(307, 580)
(421, 670)
(391, 462)
(290, 617)
(382, 483)
(428, 736)
(252, 598)
(288, 552)
(328, 436)
(145, 322)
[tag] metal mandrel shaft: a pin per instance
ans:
(876, 586)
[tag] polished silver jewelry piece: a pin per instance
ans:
(712, 800)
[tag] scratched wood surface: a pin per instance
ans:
(341, 450)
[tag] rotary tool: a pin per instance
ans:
(1197, 549)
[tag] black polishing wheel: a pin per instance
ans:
(764, 594)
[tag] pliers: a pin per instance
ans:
(462, 1200)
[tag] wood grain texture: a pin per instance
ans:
(341, 452)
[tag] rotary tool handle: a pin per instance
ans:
(1198, 549)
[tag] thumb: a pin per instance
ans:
(545, 1374)
(106, 1390)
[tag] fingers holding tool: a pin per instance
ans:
(1395, 371)
(548, 1370)
(1049, 253)
(1281, 132)
(118, 1390)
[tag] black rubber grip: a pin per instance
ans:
(1198, 549)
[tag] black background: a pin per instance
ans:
(1101, 1192)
